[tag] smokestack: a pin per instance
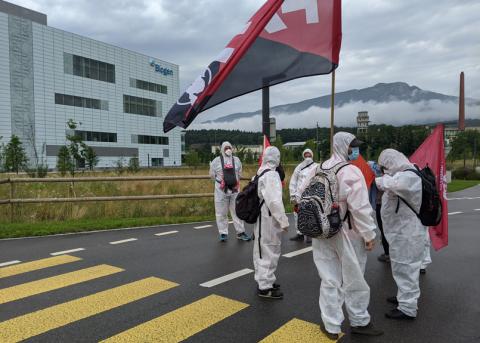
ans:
(461, 103)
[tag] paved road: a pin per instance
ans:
(150, 286)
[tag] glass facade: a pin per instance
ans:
(78, 101)
(144, 139)
(157, 162)
(148, 86)
(142, 106)
(93, 136)
(89, 68)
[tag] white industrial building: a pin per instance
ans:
(118, 97)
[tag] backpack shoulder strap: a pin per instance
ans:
(222, 161)
(406, 203)
(340, 166)
(307, 166)
(262, 173)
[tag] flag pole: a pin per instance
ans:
(332, 112)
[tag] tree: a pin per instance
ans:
(64, 160)
(133, 165)
(15, 157)
(90, 156)
(74, 146)
(192, 159)
(2, 156)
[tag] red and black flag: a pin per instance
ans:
(284, 40)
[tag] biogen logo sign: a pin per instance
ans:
(159, 69)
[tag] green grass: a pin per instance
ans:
(458, 185)
(14, 230)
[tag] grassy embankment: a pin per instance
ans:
(44, 219)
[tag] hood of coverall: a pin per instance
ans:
(305, 151)
(341, 142)
(394, 161)
(222, 149)
(270, 159)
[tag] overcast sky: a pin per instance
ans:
(424, 43)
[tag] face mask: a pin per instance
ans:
(308, 160)
(354, 155)
(280, 172)
(228, 152)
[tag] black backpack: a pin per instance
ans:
(247, 204)
(431, 208)
(229, 175)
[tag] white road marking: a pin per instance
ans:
(66, 251)
(9, 263)
(298, 252)
(477, 209)
(166, 233)
(124, 241)
(453, 213)
(226, 278)
(202, 227)
(230, 222)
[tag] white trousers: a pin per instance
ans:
(223, 203)
(342, 281)
(266, 252)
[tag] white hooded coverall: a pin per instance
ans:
(341, 260)
(225, 200)
(403, 230)
(271, 222)
(298, 177)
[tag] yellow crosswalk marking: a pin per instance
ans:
(182, 323)
(41, 321)
(36, 265)
(49, 284)
(297, 330)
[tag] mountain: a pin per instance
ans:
(380, 93)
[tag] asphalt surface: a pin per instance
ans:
(449, 307)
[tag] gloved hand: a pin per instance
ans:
(295, 208)
(237, 187)
(222, 184)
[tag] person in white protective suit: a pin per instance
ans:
(403, 230)
(226, 171)
(341, 259)
(270, 224)
(299, 175)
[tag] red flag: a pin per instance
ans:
(432, 153)
(266, 144)
(284, 40)
(367, 172)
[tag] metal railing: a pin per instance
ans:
(13, 181)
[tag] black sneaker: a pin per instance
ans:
(397, 314)
(272, 293)
(297, 237)
(367, 330)
(276, 286)
(384, 258)
(392, 300)
(332, 336)
(423, 271)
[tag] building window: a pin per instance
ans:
(148, 86)
(166, 153)
(142, 106)
(89, 68)
(78, 101)
(157, 162)
(94, 136)
(144, 139)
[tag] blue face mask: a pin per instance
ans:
(354, 155)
